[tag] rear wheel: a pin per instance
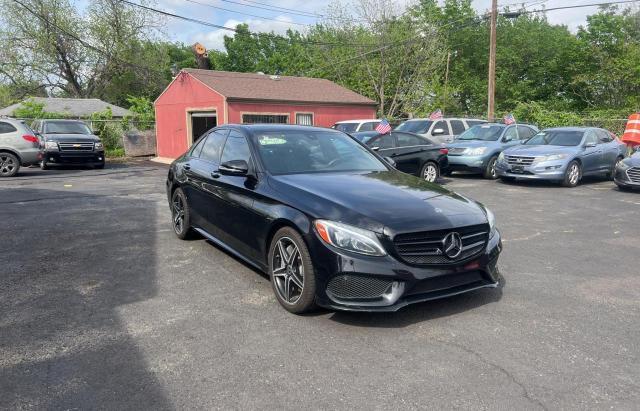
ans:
(490, 172)
(291, 271)
(9, 165)
(180, 214)
(572, 175)
(43, 165)
(430, 172)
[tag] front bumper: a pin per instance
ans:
(622, 179)
(468, 164)
(407, 284)
(548, 170)
(57, 157)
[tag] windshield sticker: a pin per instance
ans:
(267, 140)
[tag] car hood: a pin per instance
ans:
(70, 137)
(634, 160)
(540, 150)
(471, 143)
(388, 202)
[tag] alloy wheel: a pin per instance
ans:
(430, 173)
(287, 270)
(178, 214)
(7, 165)
(492, 169)
(574, 174)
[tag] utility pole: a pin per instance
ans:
(492, 62)
(446, 83)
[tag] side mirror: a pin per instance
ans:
(437, 132)
(391, 161)
(506, 139)
(234, 168)
(590, 145)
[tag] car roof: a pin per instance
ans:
(61, 120)
(583, 129)
(358, 121)
(446, 118)
(261, 128)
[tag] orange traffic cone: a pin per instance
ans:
(631, 134)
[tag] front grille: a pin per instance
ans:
(427, 248)
(75, 147)
(519, 160)
(443, 282)
(634, 174)
(358, 287)
(456, 151)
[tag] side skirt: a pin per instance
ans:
(228, 249)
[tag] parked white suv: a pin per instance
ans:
(353, 126)
(440, 131)
(18, 146)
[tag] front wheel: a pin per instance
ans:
(430, 172)
(291, 271)
(180, 214)
(9, 165)
(490, 172)
(43, 165)
(612, 172)
(572, 175)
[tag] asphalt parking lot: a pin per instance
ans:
(101, 306)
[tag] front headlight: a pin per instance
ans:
(51, 145)
(623, 166)
(478, 151)
(492, 222)
(98, 146)
(552, 157)
(349, 238)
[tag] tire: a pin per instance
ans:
(180, 215)
(430, 172)
(43, 165)
(507, 179)
(572, 175)
(490, 172)
(612, 172)
(9, 165)
(287, 276)
(623, 188)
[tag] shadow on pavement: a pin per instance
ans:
(66, 269)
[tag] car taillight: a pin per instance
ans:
(444, 150)
(30, 138)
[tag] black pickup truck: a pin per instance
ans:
(68, 142)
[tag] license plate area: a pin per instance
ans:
(517, 169)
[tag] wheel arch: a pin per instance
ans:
(11, 151)
(295, 220)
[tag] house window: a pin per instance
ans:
(304, 119)
(265, 119)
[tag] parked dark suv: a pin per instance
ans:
(68, 142)
(330, 221)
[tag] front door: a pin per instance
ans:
(409, 152)
(592, 156)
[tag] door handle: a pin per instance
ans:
(187, 166)
(215, 174)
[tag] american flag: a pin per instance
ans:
(509, 119)
(436, 115)
(383, 127)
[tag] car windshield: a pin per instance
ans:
(66, 127)
(346, 127)
(294, 152)
(415, 126)
(485, 132)
(556, 138)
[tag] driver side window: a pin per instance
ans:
(236, 148)
(510, 134)
(591, 138)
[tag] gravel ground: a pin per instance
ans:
(101, 306)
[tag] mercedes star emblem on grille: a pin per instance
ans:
(452, 245)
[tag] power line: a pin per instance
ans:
(576, 6)
(246, 14)
(270, 7)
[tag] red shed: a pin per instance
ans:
(197, 100)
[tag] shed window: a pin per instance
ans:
(304, 119)
(265, 118)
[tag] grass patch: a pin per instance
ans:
(114, 152)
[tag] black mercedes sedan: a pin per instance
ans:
(410, 152)
(329, 220)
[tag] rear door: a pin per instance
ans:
(411, 152)
(9, 136)
(610, 149)
(457, 127)
(592, 156)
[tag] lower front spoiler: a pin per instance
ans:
(413, 299)
(626, 184)
(93, 158)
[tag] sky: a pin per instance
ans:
(280, 21)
